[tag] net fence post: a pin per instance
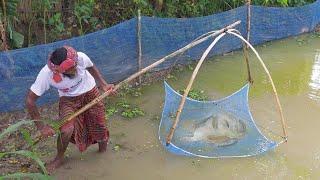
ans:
(139, 44)
(246, 47)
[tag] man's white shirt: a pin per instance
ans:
(81, 83)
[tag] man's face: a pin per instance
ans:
(71, 73)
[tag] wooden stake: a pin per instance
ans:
(139, 44)
(248, 20)
(44, 25)
(245, 46)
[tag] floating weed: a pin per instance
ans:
(123, 104)
(315, 35)
(302, 41)
(190, 67)
(117, 147)
(156, 118)
(111, 111)
(170, 76)
(132, 113)
(136, 93)
(126, 110)
(196, 94)
(126, 90)
(178, 68)
(173, 116)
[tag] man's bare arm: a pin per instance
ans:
(97, 75)
(35, 115)
(33, 109)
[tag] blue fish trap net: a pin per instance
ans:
(222, 128)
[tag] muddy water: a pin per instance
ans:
(296, 73)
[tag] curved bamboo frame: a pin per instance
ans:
(195, 72)
(283, 122)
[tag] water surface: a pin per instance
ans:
(295, 68)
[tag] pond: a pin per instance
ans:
(135, 152)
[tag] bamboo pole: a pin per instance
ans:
(283, 122)
(248, 20)
(186, 92)
(245, 53)
(139, 44)
(245, 46)
(44, 24)
(29, 31)
(144, 70)
(246, 57)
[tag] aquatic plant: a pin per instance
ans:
(132, 112)
(129, 90)
(124, 109)
(196, 94)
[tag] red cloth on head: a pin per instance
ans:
(69, 62)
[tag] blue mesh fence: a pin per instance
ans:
(114, 50)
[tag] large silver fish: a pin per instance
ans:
(222, 129)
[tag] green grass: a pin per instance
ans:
(28, 154)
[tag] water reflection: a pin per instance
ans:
(315, 78)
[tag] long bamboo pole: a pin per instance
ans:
(144, 70)
(186, 92)
(283, 122)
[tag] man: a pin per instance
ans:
(74, 75)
